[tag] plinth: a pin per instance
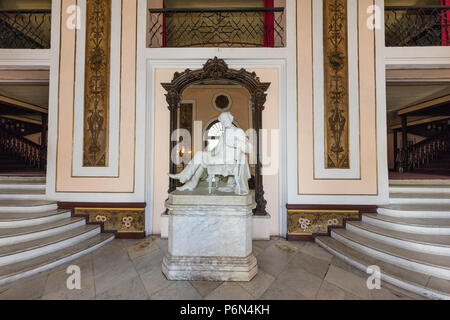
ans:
(210, 237)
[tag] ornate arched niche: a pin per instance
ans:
(217, 70)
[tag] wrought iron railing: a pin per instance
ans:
(422, 154)
(27, 152)
(417, 26)
(25, 29)
(217, 27)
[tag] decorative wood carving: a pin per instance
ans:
(336, 84)
(97, 81)
(217, 69)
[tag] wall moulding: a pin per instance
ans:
(120, 179)
(97, 101)
(360, 178)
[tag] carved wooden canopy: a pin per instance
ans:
(217, 70)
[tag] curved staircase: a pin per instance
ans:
(409, 239)
(34, 234)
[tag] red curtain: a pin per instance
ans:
(445, 22)
(164, 33)
(268, 25)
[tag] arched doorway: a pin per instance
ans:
(216, 70)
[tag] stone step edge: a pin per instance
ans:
(398, 213)
(50, 213)
(405, 223)
(420, 201)
(63, 237)
(70, 221)
(388, 235)
(382, 251)
(394, 280)
(27, 272)
(421, 182)
(23, 186)
(29, 208)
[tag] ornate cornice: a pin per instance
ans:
(213, 69)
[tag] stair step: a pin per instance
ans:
(419, 182)
(12, 191)
(31, 249)
(391, 273)
(25, 219)
(432, 226)
(27, 205)
(419, 189)
(426, 263)
(436, 244)
(416, 210)
(22, 178)
(417, 198)
(10, 236)
(20, 185)
(41, 263)
(22, 194)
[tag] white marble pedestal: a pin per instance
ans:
(210, 237)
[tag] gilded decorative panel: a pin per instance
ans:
(120, 220)
(97, 83)
(336, 84)
(312, 222)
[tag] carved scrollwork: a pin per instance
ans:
(217, 69)
(336, 84)
(173, 99)
(258, 100)
(96, 99)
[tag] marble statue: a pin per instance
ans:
(228, 159)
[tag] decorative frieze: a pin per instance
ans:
(305, 223)
(121, 220)
(336, 84)
(97, 83)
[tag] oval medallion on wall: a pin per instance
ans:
(222, 102)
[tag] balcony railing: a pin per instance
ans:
(25, 29)
(218, 27)
(417, 26)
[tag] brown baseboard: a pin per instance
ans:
(115, 205)
(295, 237)
(360, 208)
(131, 235)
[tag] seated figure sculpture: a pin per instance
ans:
(228, 158)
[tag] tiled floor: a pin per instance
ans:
(131, 269)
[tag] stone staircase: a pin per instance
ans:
(34, 234)
(409, 239)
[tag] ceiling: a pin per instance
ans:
(34, 93)
(403, 94)
(400, 95)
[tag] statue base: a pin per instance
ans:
(210, 236)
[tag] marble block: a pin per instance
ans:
(210, 236)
